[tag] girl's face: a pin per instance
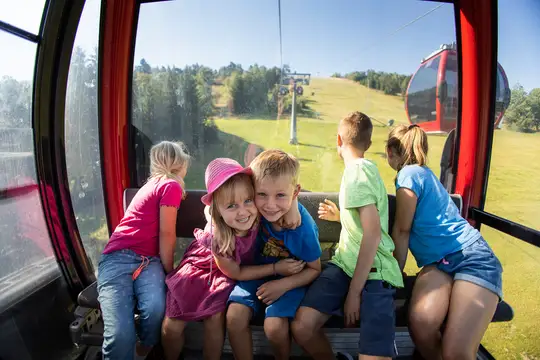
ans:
(183, 173)
(239, 212)
(392, 158)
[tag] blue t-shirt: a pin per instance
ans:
(438, 229)
(301, 243)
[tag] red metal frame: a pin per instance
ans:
(116, 69)
(478, 60)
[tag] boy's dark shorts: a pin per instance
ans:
(327, 294)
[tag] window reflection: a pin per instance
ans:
(82, 135)
(26, 253)
(422, 94)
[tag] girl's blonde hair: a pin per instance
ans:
(224, 235)
(167, 160)
(409, 144)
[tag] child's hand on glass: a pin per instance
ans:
(328, 211)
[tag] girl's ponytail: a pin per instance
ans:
(410, 144)
(167, 160)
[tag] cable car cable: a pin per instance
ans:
(280, 44)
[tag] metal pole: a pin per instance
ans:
(293, 139)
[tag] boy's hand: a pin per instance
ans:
(328, 211)
(287, 267)
(292, 219)
(270, 291)
(352, 309)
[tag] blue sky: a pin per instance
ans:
(319, 36)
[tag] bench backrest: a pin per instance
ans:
(191, 214)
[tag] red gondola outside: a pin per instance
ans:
(432, 95)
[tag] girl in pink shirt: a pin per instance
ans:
(132, 268)
(198, 289)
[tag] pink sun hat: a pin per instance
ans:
(218, 172)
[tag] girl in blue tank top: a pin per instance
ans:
(460, 280)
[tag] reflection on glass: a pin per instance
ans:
(82, 136)
(422, 93)
(26, 253)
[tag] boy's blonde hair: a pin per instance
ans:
(275, 163)
(223, 234)
(167, 160)
(355, 129)
(409, 144)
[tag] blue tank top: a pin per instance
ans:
(438, 229)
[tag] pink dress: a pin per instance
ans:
(197, 289)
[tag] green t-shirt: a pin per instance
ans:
(361, 185)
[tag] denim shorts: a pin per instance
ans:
(476, 264)
(245, 293)
(327, 294)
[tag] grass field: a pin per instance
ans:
(512, 192)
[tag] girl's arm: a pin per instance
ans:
(167, 236)
(405, 208)
(251, 272)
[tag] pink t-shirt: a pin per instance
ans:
(139, 229)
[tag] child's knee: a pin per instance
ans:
(215, 321)
(154, 310)
(424, 322)
(172, 327)
(276, 329)
(306, 322)
(238, 317)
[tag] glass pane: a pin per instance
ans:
(517, 339)
(422, 94)
(82, 135)
(224, 92)
(24, 14)
(26, 253)
(450, 104)
(514, 178)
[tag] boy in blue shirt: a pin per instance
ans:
(276, 190)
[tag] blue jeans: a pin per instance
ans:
(119, 295)
(475, 263)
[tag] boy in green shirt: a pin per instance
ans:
(359, 282)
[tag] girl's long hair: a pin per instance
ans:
(167, 160)
(224, 235)
(409, 144)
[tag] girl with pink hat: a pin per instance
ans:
(198, 289)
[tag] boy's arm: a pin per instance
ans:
(273, 290)
(371, 223)
(234, 271)
(303, 278)
(405, 208)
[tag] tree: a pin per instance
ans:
(534, 102)
(15, 103)
(519, 113)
